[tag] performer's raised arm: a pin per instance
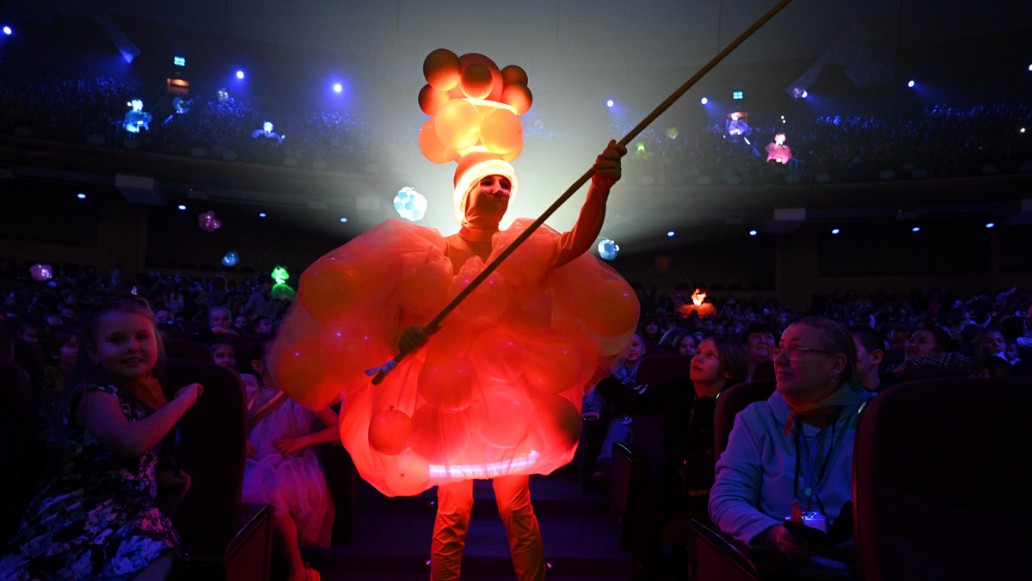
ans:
(589, 223)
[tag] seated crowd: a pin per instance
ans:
(936, 141)
(787, 464)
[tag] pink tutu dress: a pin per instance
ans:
(295, 483)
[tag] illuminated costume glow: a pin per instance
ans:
(496, 392)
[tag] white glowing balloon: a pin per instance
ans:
(410, 204)
(608, 249)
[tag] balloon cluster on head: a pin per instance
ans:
(473, 105)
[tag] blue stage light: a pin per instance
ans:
(610, 103)
(179, 61)
(753, 232)
(704, 100)
(738, 95)
(240, 75)
(911, 84)
(670, 234)
(8, 31)
(338, 88)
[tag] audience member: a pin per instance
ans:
(602, 402)
(870, 350)
(283, 469)
(759, 339)
(787, 468)
(99, 518)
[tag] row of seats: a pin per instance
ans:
(941, 473)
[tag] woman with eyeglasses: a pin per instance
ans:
(787, 470)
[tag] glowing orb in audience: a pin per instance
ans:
(410, 204)
(231, 259)
(608, 249)
(280, 275)
(41, 272)
(208, 222)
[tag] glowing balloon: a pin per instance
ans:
(310, 372)
(389, 431)
(518, 97)
(231, 259)
(476, 81)
(440, 437)
(562, 431)
(501, 131)
(331, 286)
(406, 474)
(497, 84)
(208, 222)
(410, 204)
(446, 382)
(431, 99)
(41, 272)
(608, 249)
(432, 147)
(555, 363)
(502, 416)
(441, 69)
(424, 282)
(514, 74)
(457, 124)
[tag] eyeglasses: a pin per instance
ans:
(794, 351)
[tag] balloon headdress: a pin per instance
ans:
(474, 110)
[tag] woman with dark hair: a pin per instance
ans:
(787, 468)
(930, 352)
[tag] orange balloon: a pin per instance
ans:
(609, 308)
(513, 153)
(502, 416)
(486, 302)
(555, 363)
(446, 382)
(440, 437)
(457, 124)
(332, 285)
(497, 85)
(441, 69)
(309, 372)
(476, 81)
(497, 355)
(512, 74)
(389, 431)
(424, 281)
(518, 97)
(406, 474)
(558, 428)
(501, 131)
(432, 147)
(431, 99)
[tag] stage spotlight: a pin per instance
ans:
(182, 207)
(8, 31)
(835, 231)
(262, 215)
(911, 83)
(915, 229)
(81, 196)
(343, 219)
(670, 234)
(753, 232)
(704, 100)
(798, 93)
(240, 75)
(610, 103)
(338, 88)
(990, 225)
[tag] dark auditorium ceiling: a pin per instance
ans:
(579, 52)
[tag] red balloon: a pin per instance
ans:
(501, 131)
(309, 372)
(431, 146)
(555, 363)
(502, 416)
(513, 74)
(442, 69)
(332, 285)
(431, 99)
(476, 81)
(446, 382)
(518, 97)
(558, 432)
(457, 124)
(440, 437)
(497, 84)
(389, 431)
(406, 474)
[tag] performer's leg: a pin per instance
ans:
(513, 496)
(454, 508)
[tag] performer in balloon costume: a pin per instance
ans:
(495, 391)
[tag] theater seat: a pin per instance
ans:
(17, 425)
(941, 481)
(222, 538)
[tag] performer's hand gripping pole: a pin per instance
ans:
(434, 325)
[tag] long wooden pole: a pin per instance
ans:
(433, 325)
